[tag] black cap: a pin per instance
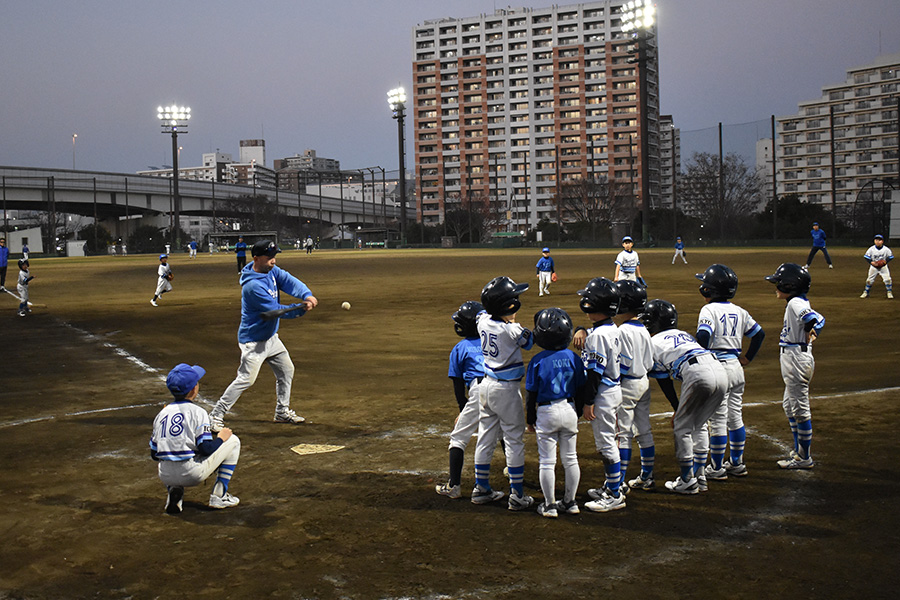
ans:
(265, 248)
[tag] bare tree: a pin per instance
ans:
(592, 204)
(740, 194)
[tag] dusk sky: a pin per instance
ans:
(314, 74)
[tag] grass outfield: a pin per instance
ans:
(82, 384)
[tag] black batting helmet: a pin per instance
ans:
(790, 278)
(659, 315)
(552, 329)
(500, 296)
(464, 319)
(632, 296)
(600, 295)
(718, 282)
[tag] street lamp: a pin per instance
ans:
(74, 135)
(397, 102)
(638, 21)
(171, 118)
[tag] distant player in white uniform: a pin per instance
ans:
(186, 450)
(502, 342)
(602, 395)
(801, 328)
(163, 279)
(721, 328)
(466, 370)
(878, 256)
(25, 278)
(545, 271)
(628, 264)
(635, 361)
(676, 355)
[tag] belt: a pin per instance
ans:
(479, 379)
(692, 360)
(555, 401)
(802, 347)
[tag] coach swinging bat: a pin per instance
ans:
(274, 314)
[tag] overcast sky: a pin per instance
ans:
(315, 73)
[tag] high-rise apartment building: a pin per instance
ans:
(502, 102)
(862, 112)
(669, 161)
(253, 151)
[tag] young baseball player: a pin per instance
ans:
(635, 361)
(602, 394)
(240, 250)
(25, 251)
(184, 447)
(545, 271)
(679, 250)
(818, 237)
(25, 278)
(261, 285)
(720, 328)
(4, 261)
(676, 355)
(192, 246)
(878, 256)
(553, 379)
(628, 265)
(467, 372)
(163, 279)
(502, 341)
(801, 328)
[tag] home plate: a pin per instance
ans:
(315, 448)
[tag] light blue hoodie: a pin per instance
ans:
(260, 293)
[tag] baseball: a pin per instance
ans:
(345, 306)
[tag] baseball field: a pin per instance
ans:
(82, 379)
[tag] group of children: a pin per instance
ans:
(608, 384)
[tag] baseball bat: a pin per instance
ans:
(19, 299)
(274, 314)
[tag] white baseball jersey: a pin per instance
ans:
(501, 345)
(163, 270)
(797, 314)
(601, 352)
(628, 261)
(876, 253)
(635, 350)
(672, 348)
(726, 323)
(178, 430)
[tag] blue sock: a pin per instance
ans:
(737, 438)
(516, 475)
(793, 423)
(614, 477)
(624, 459)
(483, 476)
(687, 470)
(717, 444)
(804, 433)
(223, 477)
(648, 458)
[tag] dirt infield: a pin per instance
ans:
(82, 380)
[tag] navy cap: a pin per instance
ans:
(627, 238)
(183, 378)
(814, 224)
(878, 236)
(162, 256)
(546, 250)
(265, 248)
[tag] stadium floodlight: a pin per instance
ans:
(174, 119)
(397, 102)
(637, 15)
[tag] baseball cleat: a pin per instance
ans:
(679, 486)
(517, 502)
(224, 501)
(21, 313)
(570, 507)
(216, 424)
(483, 496)
(719, 474)
(639, 483)
(607, 503)
(864, 295)
(598, 493)
(547, 511)
(153, 302)
(174, 499)
(796, 463)
(702, 484)
(623, 488)
(451, 491)
(738, 470)
(288, 416)
(890, 295)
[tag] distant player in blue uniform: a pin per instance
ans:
(545, 270)
(679, 250)
(4, 258)
(192, 246)
(818, 237)
(241, 249)
(553, 378)
(467, 372)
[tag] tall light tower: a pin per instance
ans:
(172, 118)
(397, 102)
(637, 22)
(74, 136)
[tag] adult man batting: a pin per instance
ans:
(258, 339)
